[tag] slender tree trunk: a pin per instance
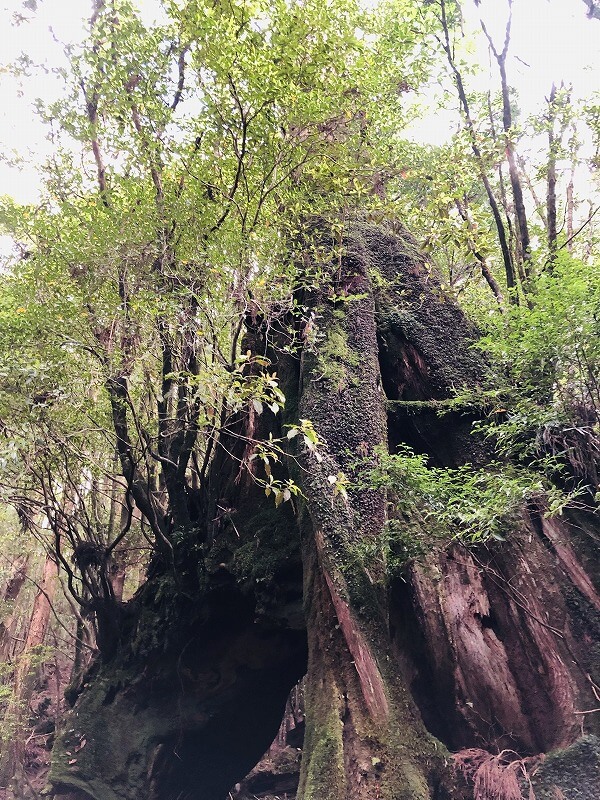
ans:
(539, 204)
(513, 170)
(574, 146)
(515, 179)
(570, 208)
(10, 596)
(551, 192)
(511, 281)
(118, 557)
(484, 266)
(25, 675)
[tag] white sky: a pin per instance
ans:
(551, 41)
(553, 37)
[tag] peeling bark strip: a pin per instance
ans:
(369, 675)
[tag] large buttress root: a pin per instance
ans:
(214, 642)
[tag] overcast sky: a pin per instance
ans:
(552, 38)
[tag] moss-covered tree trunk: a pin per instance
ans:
(364, 735)
(472, 652)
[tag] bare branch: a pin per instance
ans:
(181, 78)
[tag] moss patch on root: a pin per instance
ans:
(324, 776)
(572, 773)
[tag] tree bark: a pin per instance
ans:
(10, 596)
(570, 209)
(25, 673)
(364, 735)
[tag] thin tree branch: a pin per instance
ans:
(578, 231)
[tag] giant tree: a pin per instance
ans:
(215, 312)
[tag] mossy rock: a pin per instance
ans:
(570, 774)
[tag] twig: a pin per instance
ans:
(578, 231)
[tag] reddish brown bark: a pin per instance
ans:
(24, 676)
(10, 596)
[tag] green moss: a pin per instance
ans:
(76, 756)
(274, 544)
(416, 407)
(585, 622)
(365, 595)
(326, 769)
(323, 774)
(405, 782)
(336, 359)
(409, 771)
(405, 282)
(415, 762)
(572, 774)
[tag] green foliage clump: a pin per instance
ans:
(549, 351)
(543, 402)
(438, 504)
(208, 144)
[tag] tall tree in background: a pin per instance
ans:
(507, 257)
(27, 665)
(524, 248)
